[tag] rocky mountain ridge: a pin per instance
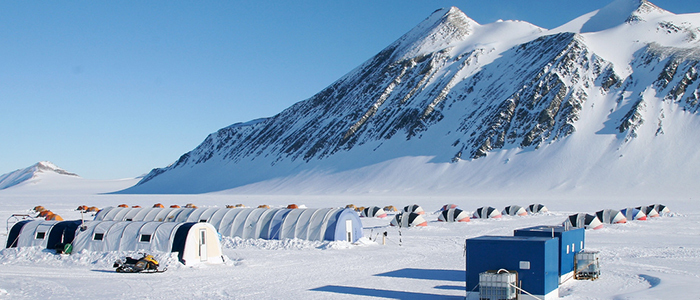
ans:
(457, 91)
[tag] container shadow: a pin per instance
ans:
(382, 293)
(428, 274)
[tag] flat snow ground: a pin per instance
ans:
(654, 259)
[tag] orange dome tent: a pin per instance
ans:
(136, 206)
(158, 205)
(82, 207)
(292, 206)
(44, 213)
(122, 205)
(190, 205)
(174, 206)
(92, 209)
(263, 206)
(39, 208)
(53, 217)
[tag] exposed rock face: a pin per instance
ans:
(437, 88)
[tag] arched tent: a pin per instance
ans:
(536, 208)
(650, 211)
(583, 220)
(408, 219)
(633, 214)
(373, 212)
(611, 216)
(194, 242)
(415, 208)
(45, 234)
(486, 212)
(453, 215)
(514, 210)
(390, 208)
(661, 209)
(323, 224)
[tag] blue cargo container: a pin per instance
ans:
(536, 259)
(571, 241)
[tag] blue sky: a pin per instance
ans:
(112, 89)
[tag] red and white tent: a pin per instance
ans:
(486, 212)
(373, 212)
(634, 214)
(583, 220)
(453, 215)
(415, 208)
(408, 219)
(611, 216)
(514, 210)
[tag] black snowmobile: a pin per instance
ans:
(146, 264)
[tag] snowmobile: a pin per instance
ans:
(146, 264)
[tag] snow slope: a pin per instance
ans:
(606, 104)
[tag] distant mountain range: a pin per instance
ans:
(22, 175)
(606, 102)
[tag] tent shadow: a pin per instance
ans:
(381, 293)
(104, 271)
(429, 274)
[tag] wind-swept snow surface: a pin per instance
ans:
(607, 103)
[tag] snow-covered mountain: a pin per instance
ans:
(607, 103)
(33, 172)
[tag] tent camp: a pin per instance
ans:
(611, 216)
(514, 210)
(415, 208)
(321, 224)
(633, 214)
(650, 211)
(408, 219)
(536, 208)
(583, 220)
(194, 242)
(373, 212)
(453, 215)
(486, 212)
(45, 234)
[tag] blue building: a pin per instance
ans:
(536, 259)
(571, 241)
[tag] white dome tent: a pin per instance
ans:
(41, 233)
(321, 224)
(650, 211)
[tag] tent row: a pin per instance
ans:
(194, 242)
(322, 224)
(612, 216)
(412, 215)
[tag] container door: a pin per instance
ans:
(203, 245)
(348, 230)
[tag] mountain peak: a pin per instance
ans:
(619, 12)
(18, 176)
(441, 29)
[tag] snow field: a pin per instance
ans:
(651, 259)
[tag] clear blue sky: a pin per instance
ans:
(112, 89)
